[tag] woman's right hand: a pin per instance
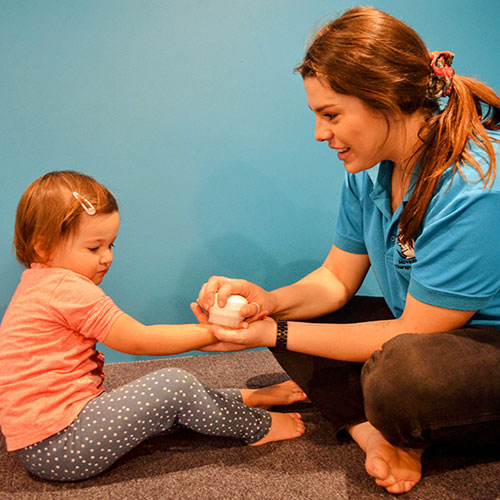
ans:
(260, 302)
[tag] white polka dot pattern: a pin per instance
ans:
(117, 421)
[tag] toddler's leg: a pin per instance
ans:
(117, 421)
(283, 425)
(221, 412)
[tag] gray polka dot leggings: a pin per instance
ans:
(115, 422)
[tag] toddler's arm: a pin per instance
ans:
(132, 337)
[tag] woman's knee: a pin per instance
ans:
(432, 368)
(401, 383)
(401, 363)
(419, 383)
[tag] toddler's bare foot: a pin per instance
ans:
(398, 470)
(285, 393)
(283, 426)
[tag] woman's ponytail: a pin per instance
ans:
(473, 109)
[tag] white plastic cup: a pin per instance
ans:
(229, 315)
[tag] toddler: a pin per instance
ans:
(54, 410)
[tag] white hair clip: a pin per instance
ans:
(86, 205)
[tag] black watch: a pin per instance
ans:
(282, 336)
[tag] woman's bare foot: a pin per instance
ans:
(283, 426)
(398, 470)
(285, 393)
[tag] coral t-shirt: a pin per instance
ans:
(49, 366)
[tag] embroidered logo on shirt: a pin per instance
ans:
(406, 254)
(406, 250)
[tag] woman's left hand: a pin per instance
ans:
(257, 334)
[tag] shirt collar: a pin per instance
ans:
(381, 176)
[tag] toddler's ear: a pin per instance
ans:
(40, 250)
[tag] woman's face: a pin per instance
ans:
(360, 135)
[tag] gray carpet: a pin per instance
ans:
(191, 466)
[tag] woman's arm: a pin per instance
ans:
(323, 291)
(358, 341)
(132, 337)
(347, 342)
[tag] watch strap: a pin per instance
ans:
(282, 336)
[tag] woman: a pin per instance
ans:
(420, 146)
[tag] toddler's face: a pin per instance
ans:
(89, 251)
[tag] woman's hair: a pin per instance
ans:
(375, 57)
(49, 212)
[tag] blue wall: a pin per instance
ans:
(188, 110)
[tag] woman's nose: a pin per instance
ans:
(321, 131)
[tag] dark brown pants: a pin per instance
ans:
(419, 389)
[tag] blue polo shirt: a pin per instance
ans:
(455, 260)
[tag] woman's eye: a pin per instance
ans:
(94, 249)
(331, 116)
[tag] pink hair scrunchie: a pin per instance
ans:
(441, 75)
